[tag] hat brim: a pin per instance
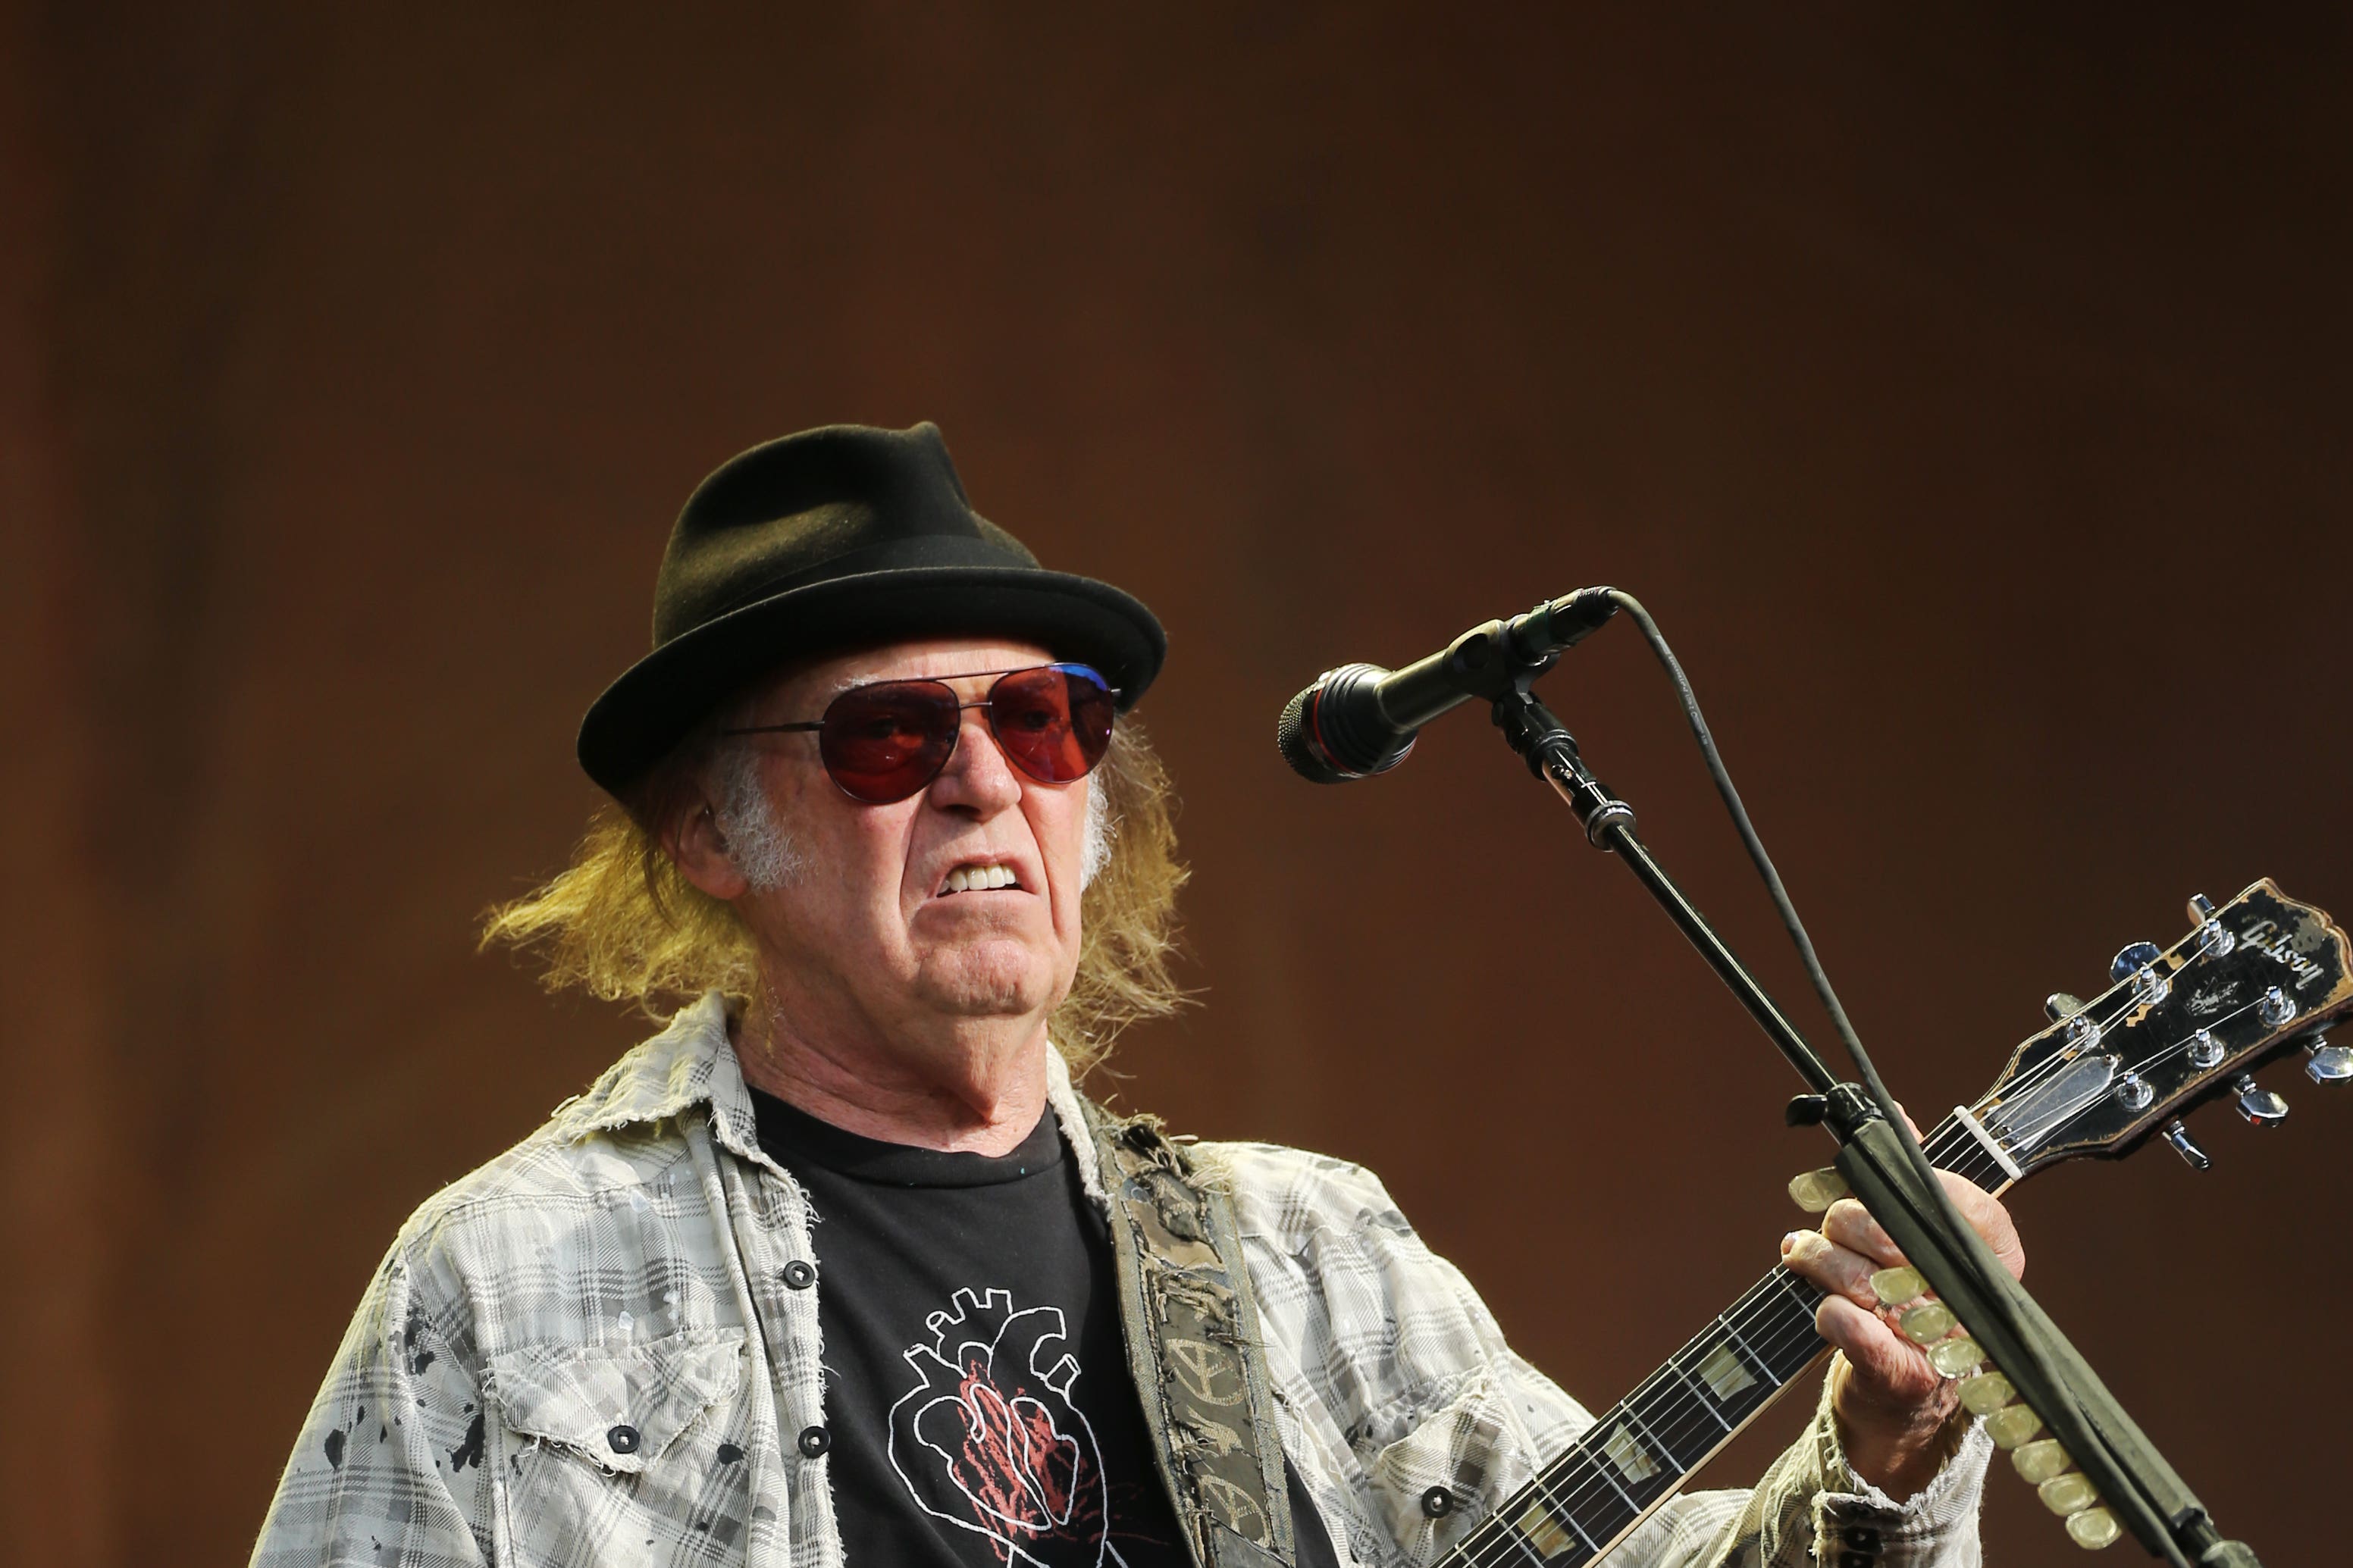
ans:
(646, 712)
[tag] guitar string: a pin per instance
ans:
(2056, 1063)
(1789, 1335)
(1745, 1313)
(2152, 1059)
(1767, 1303)
(1949, 1133)
(2144, 1065)
(2059, 1063)
(1769, 1297)
(2129, 1001)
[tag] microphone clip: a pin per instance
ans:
(1536, 732)
(1492, 661)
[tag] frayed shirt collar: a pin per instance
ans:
(694, 1061)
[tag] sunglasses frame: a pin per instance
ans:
(962, 708)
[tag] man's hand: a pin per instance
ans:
(1896, 1412)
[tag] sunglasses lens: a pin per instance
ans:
(883, 743)
(1054, 723)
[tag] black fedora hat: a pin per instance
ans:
(834, 539)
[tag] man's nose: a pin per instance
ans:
(979, 778)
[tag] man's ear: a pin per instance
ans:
(700, 850)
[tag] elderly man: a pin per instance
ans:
(840, 1267)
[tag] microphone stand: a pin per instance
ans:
(2133, 1479)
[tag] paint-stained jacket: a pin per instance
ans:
(595, 1350)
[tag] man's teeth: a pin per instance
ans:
(977, 879)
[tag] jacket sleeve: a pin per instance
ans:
(389, 1469)
(1808, 1508)
(1400, 1380)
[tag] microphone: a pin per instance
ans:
(1361, 719)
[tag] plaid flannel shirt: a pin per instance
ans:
(602, 1348)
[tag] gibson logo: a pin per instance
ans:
(2266, 938)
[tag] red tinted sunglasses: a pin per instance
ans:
(884, 742)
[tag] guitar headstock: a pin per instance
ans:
(2180, 1026)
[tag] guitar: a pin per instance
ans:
(2251, 981)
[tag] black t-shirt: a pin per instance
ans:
(976, 1388)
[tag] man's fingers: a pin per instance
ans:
(1850, 1224)
(1890, 1370)
(1988, 1219)
(1843, 1272)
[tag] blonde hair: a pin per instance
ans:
(622, 923)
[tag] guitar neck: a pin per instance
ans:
(1639, 1453)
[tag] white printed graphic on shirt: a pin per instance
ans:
(990, 1424)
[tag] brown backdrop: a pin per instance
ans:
(1965, 392)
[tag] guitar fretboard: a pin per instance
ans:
(1635, 1455)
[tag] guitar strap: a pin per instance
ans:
(1193, 1347)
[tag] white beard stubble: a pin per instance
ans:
(760, 848)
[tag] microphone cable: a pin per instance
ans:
(1877, 1089)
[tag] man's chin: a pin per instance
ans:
(988, 980)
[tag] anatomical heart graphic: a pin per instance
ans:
(989, 1441)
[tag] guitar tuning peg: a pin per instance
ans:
(2134, 958)
(2062, 1005)
(2214, 939)
(2325, 1063)
(2259, 1105)
(2186, 1146)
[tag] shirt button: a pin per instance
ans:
(799, 1275)
(815, 1441)
(622, 1439)
(1438, 1503)
(1861, 1537)
(1854, 1559)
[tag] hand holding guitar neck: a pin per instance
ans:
(2256, 979)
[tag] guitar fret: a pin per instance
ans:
(1576, 1499)
(1652, 1412)
(1540, 1533)
(1624, 1496)
(1667, 1416)
(1576, 1507)
(1625, 1449)
(1699, 1394)
(1733, 1337)
(1536, 1536)
(1635, 1455)
(1801, 1301)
